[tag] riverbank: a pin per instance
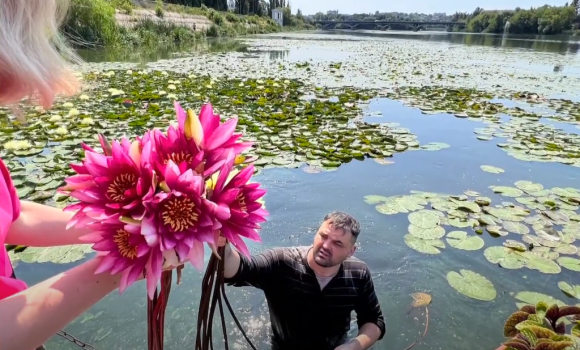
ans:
(101, 23)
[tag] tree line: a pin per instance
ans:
(244, 7)
(541, 20)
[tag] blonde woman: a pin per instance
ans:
(32, 66)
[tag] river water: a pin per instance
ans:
(298, 200)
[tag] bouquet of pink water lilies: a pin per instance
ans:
(153, 202)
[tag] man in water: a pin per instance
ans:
(312, 290)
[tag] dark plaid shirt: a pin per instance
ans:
(303, 316)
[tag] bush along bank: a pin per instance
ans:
(94, 24)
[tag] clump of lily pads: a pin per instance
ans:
(542, 327)
(292, 125)
(528, 138)
(544, 224)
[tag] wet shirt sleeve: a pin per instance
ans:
(368, 309)
(257, 271)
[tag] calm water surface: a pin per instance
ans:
(297, 201)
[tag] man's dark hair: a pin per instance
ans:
(343, 221)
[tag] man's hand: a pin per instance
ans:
(222, 241)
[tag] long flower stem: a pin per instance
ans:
(156, 313)
(213, 291)
(424, 332)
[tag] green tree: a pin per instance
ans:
(299, 15)
(576, 5)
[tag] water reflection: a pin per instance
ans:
(564, 44)
(152, 54)
(297, 201)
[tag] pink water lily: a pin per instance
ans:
(116, 182)
(179, 216)
(124, 250)
(241, 197)
(202, 142)
(217, 135)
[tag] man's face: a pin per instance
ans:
(331, 246)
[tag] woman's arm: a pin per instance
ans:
(31, 317)
(43, 226)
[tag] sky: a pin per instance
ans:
(310, 7)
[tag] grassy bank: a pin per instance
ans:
(93, 24)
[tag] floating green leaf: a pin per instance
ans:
(515, 259)
(460, 240)
(516, 227)
(491, 169)
(528, 186)
(569, 263)
(426, 246)
(374, 199)
(58, 255)
(424, 219)
(573, 291)
(507, 191)
(533, 298)
(505, 257)
(515, 245)
(509, 214)
(472, 284)
(427, 233)
(495, 230)
(434, 146)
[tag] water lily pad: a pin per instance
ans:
(492, 169)
(58, 255)
(426, 246)
(374, 199)
(569, 263)
(528, 186)
(427, 233)
(516, 227)
(533, 298)
(495, 230)
(434, 146)
(471, 193)
(507, 191)
(570, 290)
(472, 284)
(469, 206)
(566, 249)
(540, 263)
(505, 257)
(508, 214)
(460, 223)
(424, 219)
(483, 200)
(515, 245)
(461, 240)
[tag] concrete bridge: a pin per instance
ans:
(383, 25)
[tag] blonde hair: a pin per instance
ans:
(34, 59)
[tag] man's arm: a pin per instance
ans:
(370, 320)
(255, 271)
